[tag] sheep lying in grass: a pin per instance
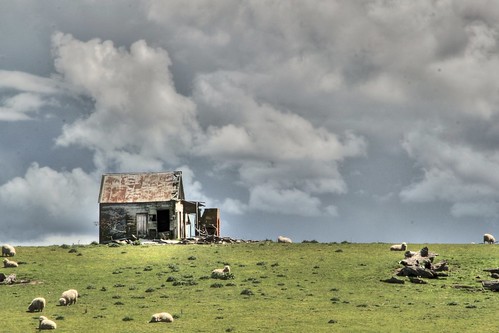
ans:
(37, 304)
(46, 324)
(220, 272)
(488, 238)
(282, 239)
(399, 247)
(161, 317)
(8, 250)
(9, 263)
(68, 297)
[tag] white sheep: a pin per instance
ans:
(488, 238)
(399, 247)
(282, 239)
(220, 272)
(46, 324)
(161, 317)
(69, 297)
(37, 304)
(8, 250)
(9, 263)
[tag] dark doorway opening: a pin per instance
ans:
(164, 220)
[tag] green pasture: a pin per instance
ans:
(308, 287)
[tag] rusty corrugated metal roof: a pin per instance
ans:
(141, 187)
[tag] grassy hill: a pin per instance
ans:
(276, 288)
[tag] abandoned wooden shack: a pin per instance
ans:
(151, 206)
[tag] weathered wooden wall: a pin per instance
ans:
(119, 220)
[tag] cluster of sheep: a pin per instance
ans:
(68, 297)
(38, 304)
(8, 251)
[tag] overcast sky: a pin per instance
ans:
(364, 121)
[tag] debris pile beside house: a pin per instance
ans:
(418, 265)
(210, 239)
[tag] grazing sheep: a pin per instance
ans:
(9, 263)
(8, 250)
(220, 272)
(68, 297)
(37, 304)
(161, 317)
(488, 238)
(399, 247)
(282, 239)
(46, 324)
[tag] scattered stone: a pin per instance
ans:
(419, 265)
(491, 285)
(247, 292)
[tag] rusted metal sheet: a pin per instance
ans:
(141, 187)
(210, 221)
